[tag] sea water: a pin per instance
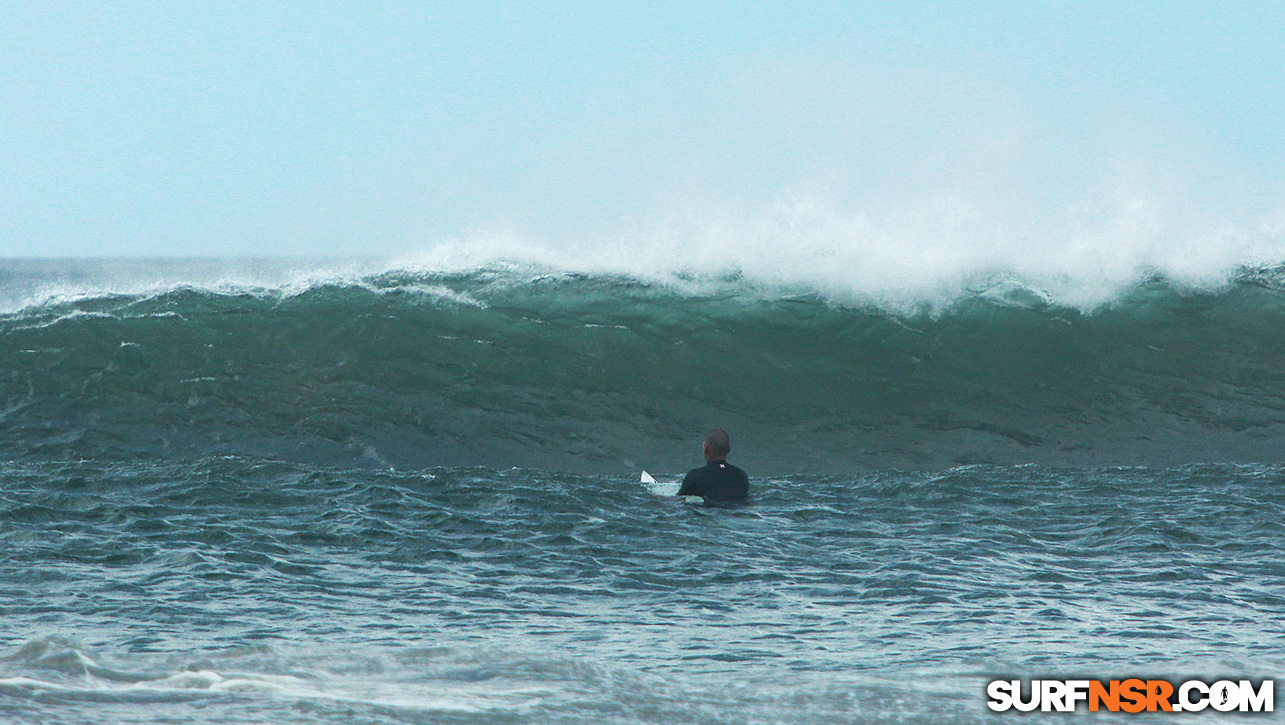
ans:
(410, 496)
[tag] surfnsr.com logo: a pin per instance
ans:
(1131, 696)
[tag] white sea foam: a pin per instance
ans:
(923, 255)
(931, 255)
(69, 675)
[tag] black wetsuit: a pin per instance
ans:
(718, 482)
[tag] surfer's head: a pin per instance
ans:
(717, 445)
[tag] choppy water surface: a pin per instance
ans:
(237, 590)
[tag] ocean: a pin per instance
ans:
(304, 492)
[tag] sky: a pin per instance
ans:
(233, 129)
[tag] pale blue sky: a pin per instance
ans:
(327, 128)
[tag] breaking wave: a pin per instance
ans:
(515, 365)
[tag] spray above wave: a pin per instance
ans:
(602, 373)
(932, 254)
(927, 256)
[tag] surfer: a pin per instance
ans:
(718, 481)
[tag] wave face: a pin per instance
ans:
(597, 372)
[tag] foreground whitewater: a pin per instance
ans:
(240, 590)
(394, 496)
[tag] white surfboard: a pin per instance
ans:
(665, 489)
